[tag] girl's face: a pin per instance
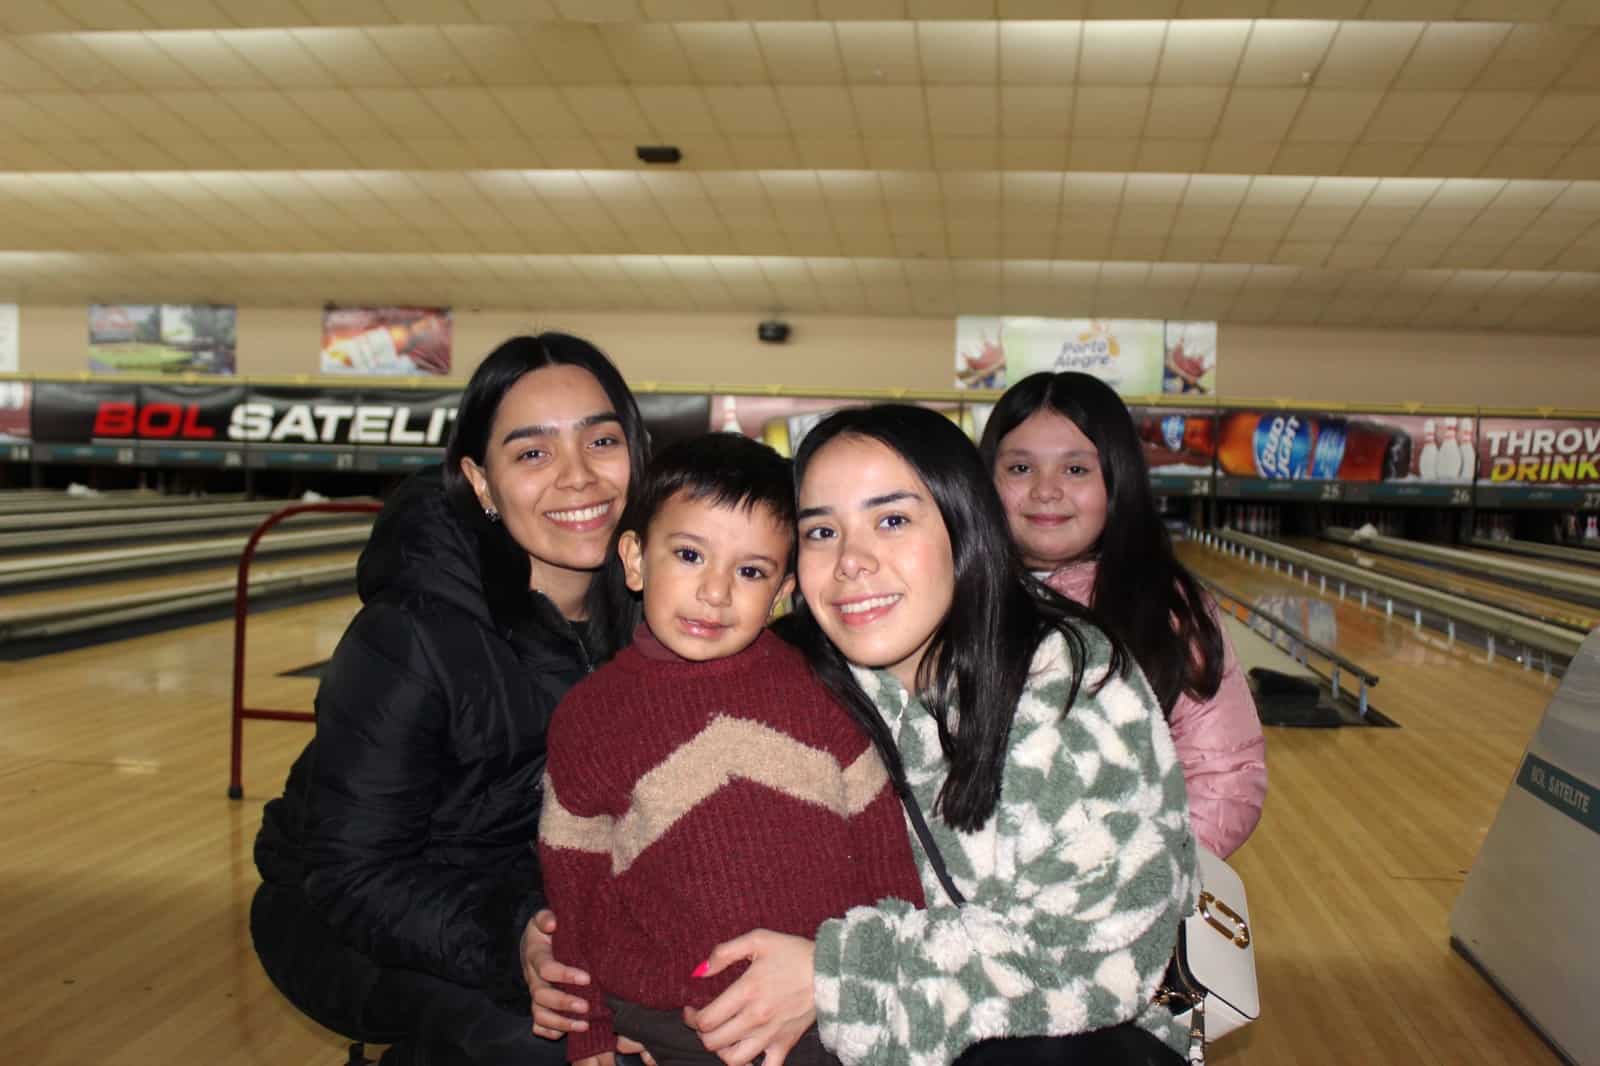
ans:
(1049, 477)
(556, 469)
(875, 562)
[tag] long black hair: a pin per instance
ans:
(1141, 591)
(611, 610)
(977, 663)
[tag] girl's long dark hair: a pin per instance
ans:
(976, 665)
(1141, 591)
(612, 612)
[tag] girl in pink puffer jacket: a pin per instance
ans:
(1071, 473)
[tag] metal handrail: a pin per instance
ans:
(1336, 662)
(241, 609)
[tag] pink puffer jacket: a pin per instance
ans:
(1219, 741)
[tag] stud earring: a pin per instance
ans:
(491, 514)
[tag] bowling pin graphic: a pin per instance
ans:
(1428, 461)
(1449, 453)
(730, 416)
(1469, 450)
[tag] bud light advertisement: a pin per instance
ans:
(1308, 446)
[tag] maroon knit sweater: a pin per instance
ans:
(687, 803)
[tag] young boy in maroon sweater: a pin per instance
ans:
(703, 783)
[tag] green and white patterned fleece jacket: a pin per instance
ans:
(1075, 886)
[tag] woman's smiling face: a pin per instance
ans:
(556, 469)
(875, 562)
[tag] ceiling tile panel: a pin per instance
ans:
(1451, 55)
(1334, 114)
(1189, 113)
(723, 53)
(210, 60)
(350, 54)
(1109, 114)
(1284, 53)
(1203, 52)
(1412, 117)
(1039, 53)
(801, 54)
(1532, 56)
(279, 56)
(1367, 55)
(879, 53)
(1116, 52)
(1259, 114)
(959, 53)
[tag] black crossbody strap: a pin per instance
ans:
(924, 834)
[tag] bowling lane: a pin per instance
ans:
(165, 586)
(1544, 607)
(1579, 566)
(1425, 679)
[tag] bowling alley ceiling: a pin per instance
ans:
(1396, 163)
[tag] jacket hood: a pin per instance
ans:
(421, 543)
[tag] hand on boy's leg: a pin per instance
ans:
(552, 1008)
(769, 1008)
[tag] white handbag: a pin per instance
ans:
(1211, 986)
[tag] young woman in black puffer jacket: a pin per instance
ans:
(398, 868)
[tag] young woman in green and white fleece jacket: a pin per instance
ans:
(1032, 742)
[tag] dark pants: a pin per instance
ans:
(1120, 1045)
(672, 1043)
(432, 1021)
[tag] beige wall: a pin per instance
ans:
(1309, 364)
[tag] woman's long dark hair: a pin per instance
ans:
(976, 665)
(1141, 591)
(612, 611)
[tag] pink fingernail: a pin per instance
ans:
(703, 969)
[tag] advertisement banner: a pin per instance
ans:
(1190, 364)
(400, 429)
(670, 417)
(386, 341)
(179, 425)
(70, 412)
(1562, 453)
(1178, 442)
(1130, 355)
(783, 421)
(10, 339)
(16, 418)
(162, 338)
(1303, 446)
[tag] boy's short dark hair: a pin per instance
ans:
(725, 469)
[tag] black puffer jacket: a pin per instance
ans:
(410, 820)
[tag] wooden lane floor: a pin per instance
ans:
(1365, 842)
(1543, 606)
(128, 874)
(100, 593)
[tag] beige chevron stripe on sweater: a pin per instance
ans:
(728, 748)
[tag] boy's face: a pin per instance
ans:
(710, 575)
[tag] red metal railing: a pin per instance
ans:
(241, 609)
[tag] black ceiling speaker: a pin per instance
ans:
(658, 153)
(773, 331)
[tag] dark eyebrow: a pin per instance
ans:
(587, 422)
(1072, 453)
(866, 505)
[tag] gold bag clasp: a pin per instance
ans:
(1239, 935)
